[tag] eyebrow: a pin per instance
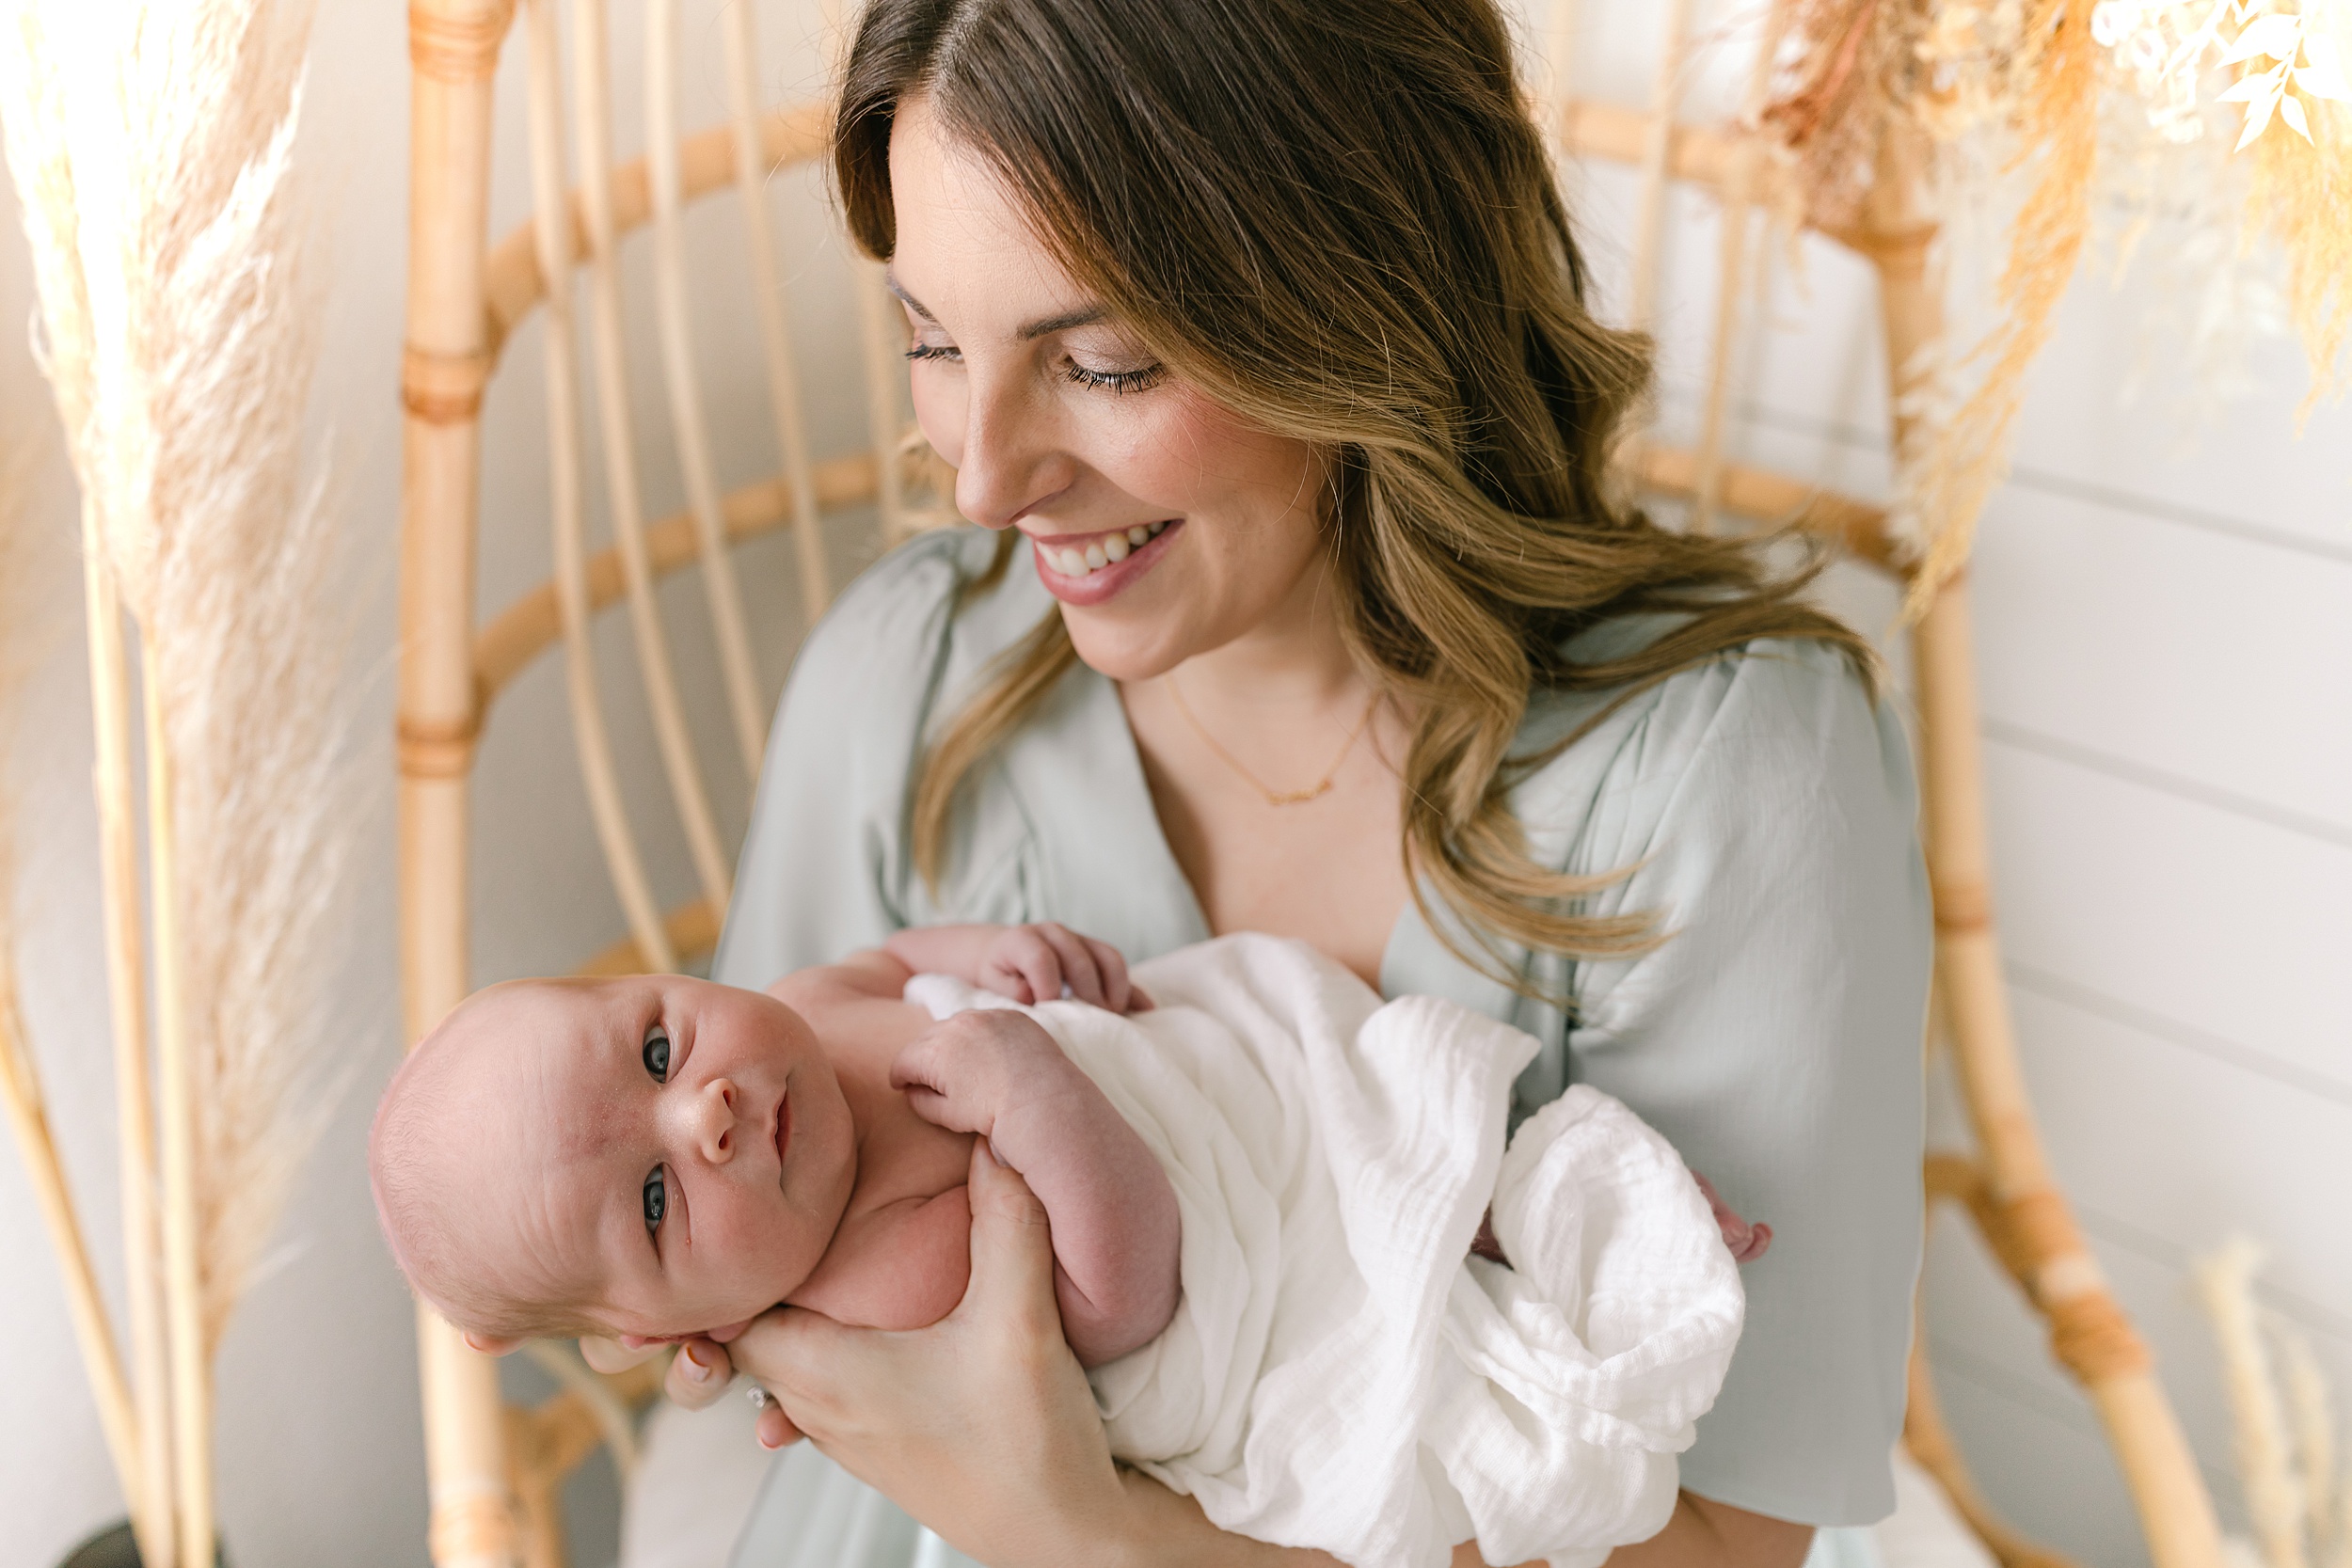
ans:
(1086, 315)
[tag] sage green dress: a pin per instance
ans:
(1767, 807)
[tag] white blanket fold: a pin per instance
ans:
(1340, 1373)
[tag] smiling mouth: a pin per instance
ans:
(1087, 554)
(1082, 569)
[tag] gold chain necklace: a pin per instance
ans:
(1274, 797)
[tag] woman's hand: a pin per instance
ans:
(982, 1425)
(698, 1375)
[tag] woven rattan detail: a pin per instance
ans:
(456, 48)
(478, 1528)
(2041, 1229)
(2090, 1335)
(439, 751)
(442, 388)
(1967, 906)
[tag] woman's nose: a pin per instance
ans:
(711, 1121)
(1012, 462)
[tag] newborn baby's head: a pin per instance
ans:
(656, 1156)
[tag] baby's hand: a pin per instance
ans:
(963, 1072)
(1033, 963)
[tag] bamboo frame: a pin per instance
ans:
(690, 428)
(622, 857)
(524, 628)
(453, 47)
(608, 359)
(1649, 222)
(2034, 1231)
(775, 334)
(1731, 278)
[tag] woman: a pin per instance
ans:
(1256, 335)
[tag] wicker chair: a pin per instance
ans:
(495, 1472)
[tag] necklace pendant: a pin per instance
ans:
(1298, 797)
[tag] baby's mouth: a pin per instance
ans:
(782, 1131)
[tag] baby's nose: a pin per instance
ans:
(714, 1120)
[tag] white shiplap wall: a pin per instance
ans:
(2164, 623)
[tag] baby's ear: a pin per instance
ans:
(492, 1344)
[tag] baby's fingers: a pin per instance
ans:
(1078, 969)
(1023, 966)
(1119, 994)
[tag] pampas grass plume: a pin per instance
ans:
(2274, 1495)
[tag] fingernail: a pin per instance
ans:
(697, 1367)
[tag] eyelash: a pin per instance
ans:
(653, 1198)
(1118, 382)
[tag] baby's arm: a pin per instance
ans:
(1115, 1233)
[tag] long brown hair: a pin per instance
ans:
(1340, 221)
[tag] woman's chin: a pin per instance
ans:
(1115, 647)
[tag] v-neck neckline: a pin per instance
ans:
(1130, 776)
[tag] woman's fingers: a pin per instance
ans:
(1012, 1250)
(898, 1410)
(699, 1375)
(775, 1429)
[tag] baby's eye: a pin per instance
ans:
(656, 1053)
(657, 1198)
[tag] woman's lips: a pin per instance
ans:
(1104, 581)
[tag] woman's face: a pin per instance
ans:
(1164, 525)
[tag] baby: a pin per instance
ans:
(656, 1157)
(1266, 1188)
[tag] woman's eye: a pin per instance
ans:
(657, 1198)
(1118, 381)
(656, 1053)
(935, 351)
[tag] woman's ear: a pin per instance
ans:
(492, 1344)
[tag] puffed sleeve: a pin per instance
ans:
(823, 871)
(1767, 805)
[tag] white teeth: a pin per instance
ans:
(1107, 550)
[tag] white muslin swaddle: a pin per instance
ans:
(1339, 1373)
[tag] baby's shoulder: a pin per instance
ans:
(896, 1262)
